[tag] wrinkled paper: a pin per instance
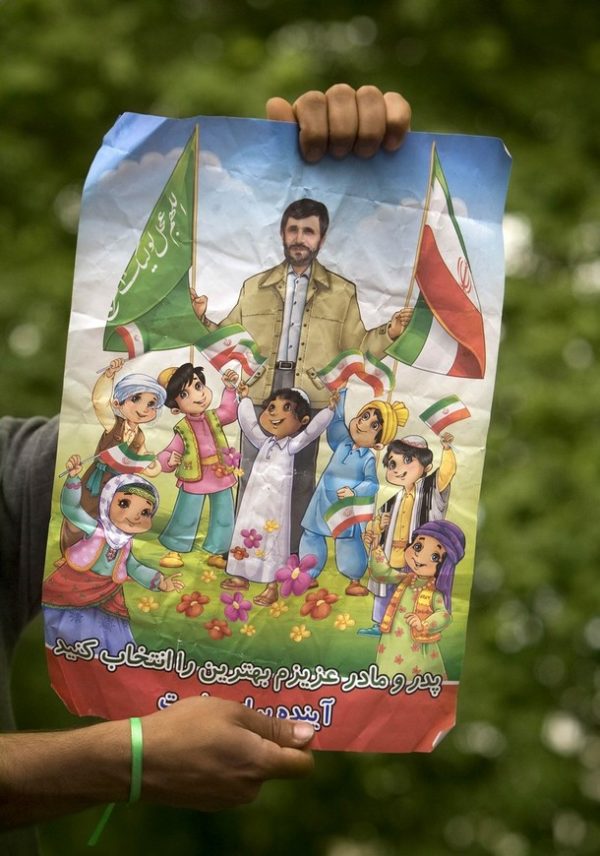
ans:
(334, 588)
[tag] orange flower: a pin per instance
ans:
(317, 604)
(192, 604)
(217, 629)
(239, 553)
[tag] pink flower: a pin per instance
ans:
(231, 457)
(294, 576)
(251, 538)
(236, 608)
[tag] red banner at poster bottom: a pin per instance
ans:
(360, 720)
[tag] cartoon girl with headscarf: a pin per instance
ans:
(83, 598)
(136, 399)
(420, 608)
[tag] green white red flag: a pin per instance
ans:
(342, 367)
(124, 460)
(379, 376)
(347, 512)
(444, 412)
(366, 367)
(445, 334)
(231, 343)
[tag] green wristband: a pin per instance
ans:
(135, 789)
(137, 752)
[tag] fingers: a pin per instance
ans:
(343, 120)
(342, 109)
(279, 110)
(371, 121)
(311, 113)
(398, 116)
(284, 732)
(283, 752)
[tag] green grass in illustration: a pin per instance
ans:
(266, 639)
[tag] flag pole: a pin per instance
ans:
(406, 303)
(422, 229)
(194, 221)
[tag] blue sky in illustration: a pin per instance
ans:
(250, 170)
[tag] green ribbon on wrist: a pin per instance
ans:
(135, 788)
(137, 753)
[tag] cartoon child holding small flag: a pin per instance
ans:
(344, 497)
(198, 455)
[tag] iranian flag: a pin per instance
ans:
(124, 460)
(151, 309)
(445, 334)
(346, 512)
(379, 376)
(343, 366)
(231, 343)
(444, 412)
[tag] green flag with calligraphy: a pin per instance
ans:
(151, 310)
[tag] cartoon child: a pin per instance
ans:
(197, 455)
(263, 516)
(83, 598)
(420, 607)
(135, 400)
(423, 495)
(350, 472)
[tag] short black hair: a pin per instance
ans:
(398, 447)
(302, 406)
(182, 378)
(302, 208)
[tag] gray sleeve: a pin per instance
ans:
(27, 455)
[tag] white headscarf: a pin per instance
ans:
(115, 537)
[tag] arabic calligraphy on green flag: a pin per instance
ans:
(151, 309)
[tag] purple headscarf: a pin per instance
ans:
(452, 538)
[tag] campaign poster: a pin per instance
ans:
(277, 393)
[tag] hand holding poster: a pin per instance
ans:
(293, 527)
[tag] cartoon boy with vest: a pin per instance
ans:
(198, 454)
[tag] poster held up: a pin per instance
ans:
(274, 509)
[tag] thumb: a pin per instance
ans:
(284, 732)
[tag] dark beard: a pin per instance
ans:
(306, 260)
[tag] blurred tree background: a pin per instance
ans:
(520, 774)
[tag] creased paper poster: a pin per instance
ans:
(277, 393)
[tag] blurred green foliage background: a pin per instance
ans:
(520, 774)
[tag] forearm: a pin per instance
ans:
(101, 398)
(447, 469)
(48, 774)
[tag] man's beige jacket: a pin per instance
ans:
(331, 323)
